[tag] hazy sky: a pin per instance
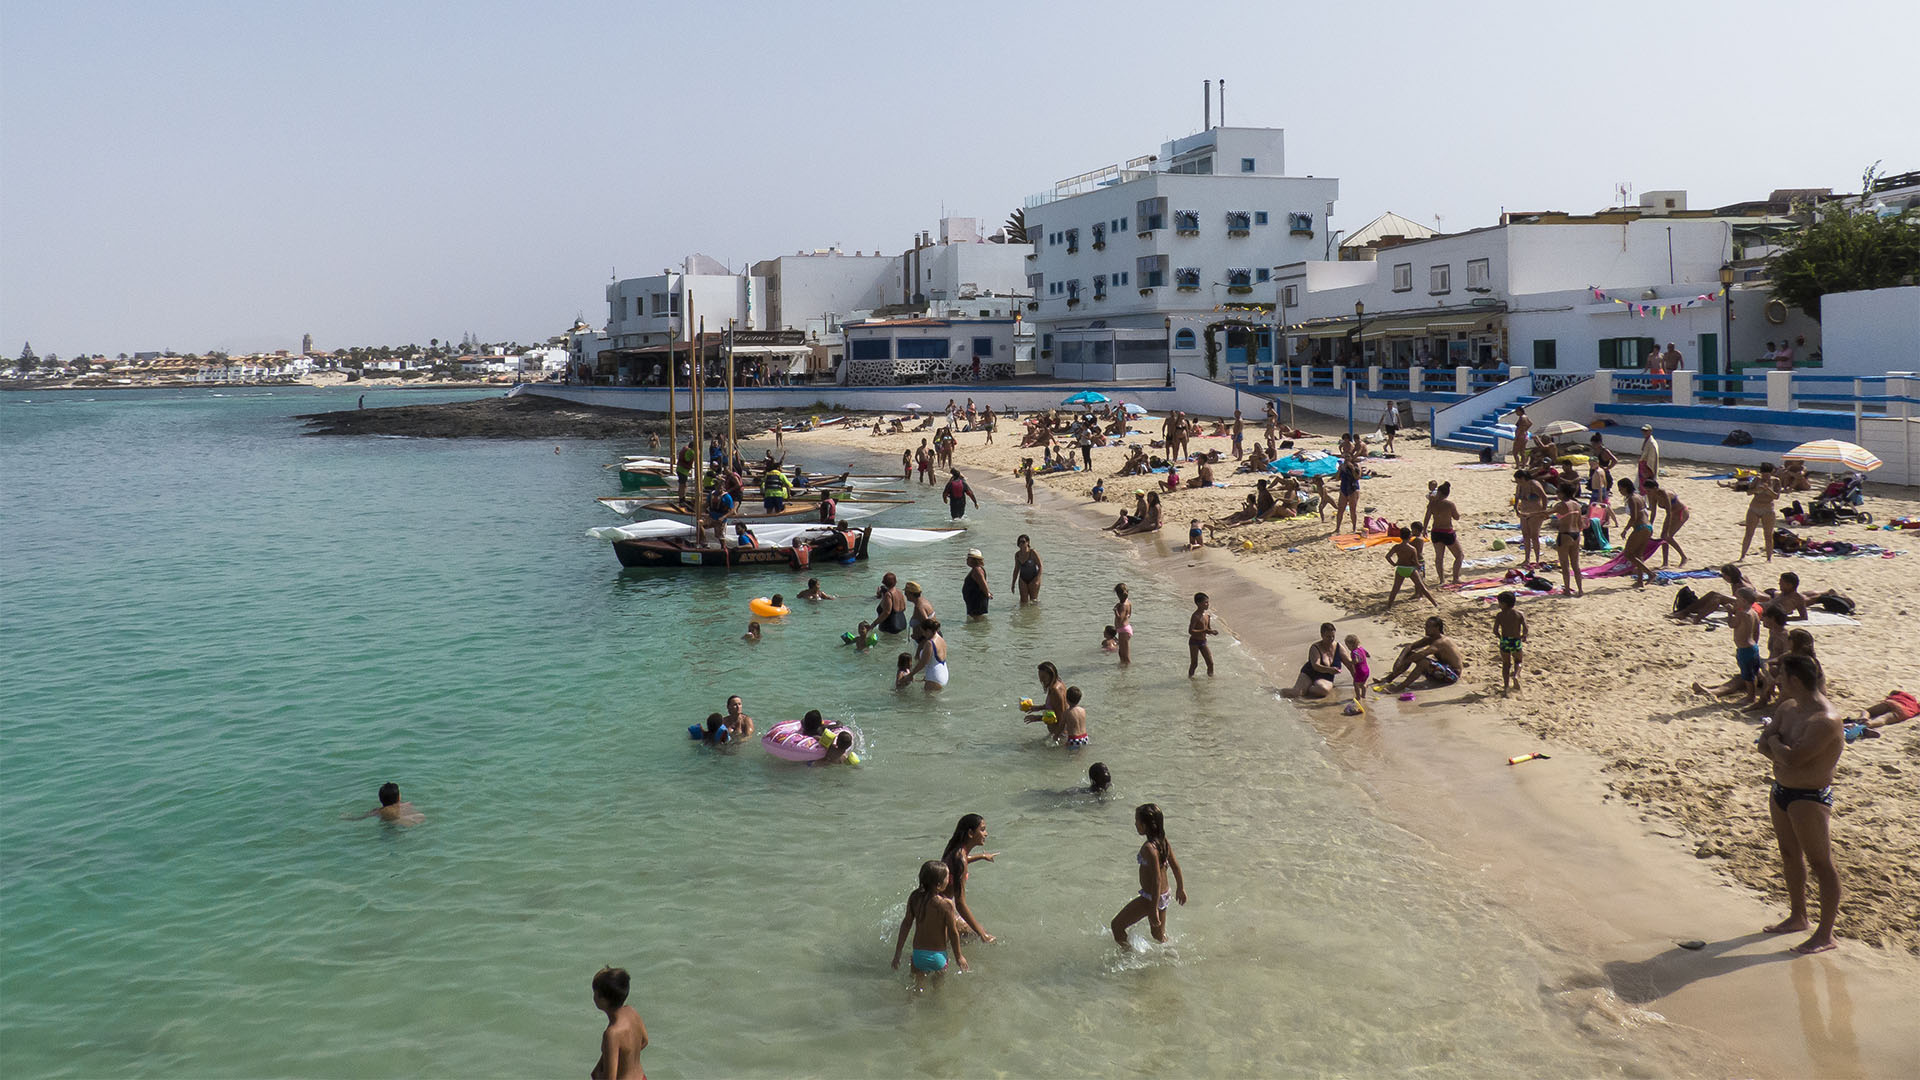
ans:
(198, 176)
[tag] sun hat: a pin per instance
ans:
(1646, 427)
(912, 588)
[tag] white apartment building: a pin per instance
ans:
(1521, 293)
(1132, 263)
(651, 311)
(961, 266)
(817, 290)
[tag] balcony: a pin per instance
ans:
(1239, 223)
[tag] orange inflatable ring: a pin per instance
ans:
(762, 606)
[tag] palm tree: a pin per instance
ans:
(1016, 227)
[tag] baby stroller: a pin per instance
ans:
(1840, 502)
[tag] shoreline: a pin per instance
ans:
(1608, 893)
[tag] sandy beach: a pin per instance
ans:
(1606, 672)
(1653, 800)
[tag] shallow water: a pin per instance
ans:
(222, 636)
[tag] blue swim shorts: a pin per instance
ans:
(1749, 658)
(929, 960)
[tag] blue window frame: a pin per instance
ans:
(871, 349)
(983, 347)
(1259, 217)
(925, 348)
(1246, 164)
(1183, 339)
(1263, 274)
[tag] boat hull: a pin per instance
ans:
(679, 555)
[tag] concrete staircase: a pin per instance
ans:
(1486, 431)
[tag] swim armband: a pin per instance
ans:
(1026, 703)
(696, 731)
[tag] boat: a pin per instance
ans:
(794, 514)
(642, 475)
(824, 544)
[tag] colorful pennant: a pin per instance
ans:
(1640, 310)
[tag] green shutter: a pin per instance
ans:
(1607, 353)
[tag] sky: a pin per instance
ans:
(198, 176)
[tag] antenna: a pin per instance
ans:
(1206, 96)
(1436, 224)
(1623, 193)
(1223, 103)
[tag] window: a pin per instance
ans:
(1627, 352)
(1120, 278)
(1099, 286)
(1073, 240)
(1186, 222)
(983, 346)
(1403, 277)
(1246, 164)
(1478, 274)
(1187, 278)
(1035, 282)
(925, 348)
(871, 349)
(1152, 213)
(1290, 296)
(1046, 342)
(1073, 291)
(1262, 274)
(1239, 277)
(1544, 358)
(636, 308)
(1183, 338)
(1099, 235)
(1259, 217)
(1152, 270)
(1238, 221)
(1439, 279)
(1300, 224)
(1123, 225)
(659, 304)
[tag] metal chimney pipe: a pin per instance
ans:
(1206, 96)
(1223, 103)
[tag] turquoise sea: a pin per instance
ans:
(221, 636)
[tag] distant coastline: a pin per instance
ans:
(44, 385)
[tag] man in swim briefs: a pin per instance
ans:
(1804, 741)
(1442, 519)
(1434, 657)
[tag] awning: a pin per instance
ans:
(1325, 330)
(1457, 322)
(1379, 328)
(772, 350)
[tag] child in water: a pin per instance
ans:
(1195, 538)
(903, 671)
(1156, 859)
(1110, 640)
(391, 809)
(862, 639)
(752, 636)
(1073, 732)
(1099, 492)
(1098, 778)
(812, 591)
(840, 751)
(626, 1034)
(717, 731)
(934, 924)
(1357, 666)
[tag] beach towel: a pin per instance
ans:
(1507, 525)
(1713, 476)
(1668, 577)
(1310, 464)
(1814, 618)
(1479, 466)
(1618, 564)
(1355, 541)
(1491, 560)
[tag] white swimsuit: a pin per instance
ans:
(937, 673)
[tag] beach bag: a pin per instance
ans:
(1839, 605)
(1737, 437)
(1684, 599)
(1594, 536)
(1486, 455)
(1537, 583)
(1786, 540)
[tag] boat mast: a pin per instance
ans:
(733, 447)
(699, 429)
(673, 407)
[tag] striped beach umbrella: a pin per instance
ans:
(1834, 452)
(1563, 427)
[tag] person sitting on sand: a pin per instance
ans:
(1325, 658)
(1248, 512)
(1136, 463)
(391, 809)
(1127, 519)
(1150, 522)
(1794, 477)
(1804, 741)
(1202, 476)
(1404, 557)
(1797, 641)
(1714, 600)
(1746, 646)
(1898, 707)
(1433, 657)
(1099, 492)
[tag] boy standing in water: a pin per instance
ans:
(626, 1035)
(934, 923)
(1199, 628)
(1511, 628)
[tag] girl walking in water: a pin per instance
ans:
(934, 924)
(1123, 623)
(1156, 859)
(970, 833)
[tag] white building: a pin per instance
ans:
(882, 352)
(1520, 293)
(961, 266)
(1129, 261)
(651, 311)
(817, 290)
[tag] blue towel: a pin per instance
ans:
(1715, 476)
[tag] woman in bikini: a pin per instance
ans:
(1530, 503)
(1155, 859)
(1123, 623)
(1677, 514)
(1568, 519)
(1760, 513)
(1639, 534)
(1026, 571)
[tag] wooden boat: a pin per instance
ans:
(642, 476)
(794, 514)
(829, 545)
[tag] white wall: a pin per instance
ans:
(1546, 258)
(1578, 324)
(810, 286)
(1870, 332)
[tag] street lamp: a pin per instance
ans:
(1166, 325)
(1726, 322)
(1360, 326)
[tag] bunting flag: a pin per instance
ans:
(1640, 311)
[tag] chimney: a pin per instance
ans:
(1206, 111)
(1223, 103)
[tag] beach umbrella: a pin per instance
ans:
(913, 406)
(1086, 397)
(1834, 452)
(1134, 410)
(1562, 427)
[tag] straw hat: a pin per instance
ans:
(912, 588)
(974, 553)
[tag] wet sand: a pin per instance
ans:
(1651, 804)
